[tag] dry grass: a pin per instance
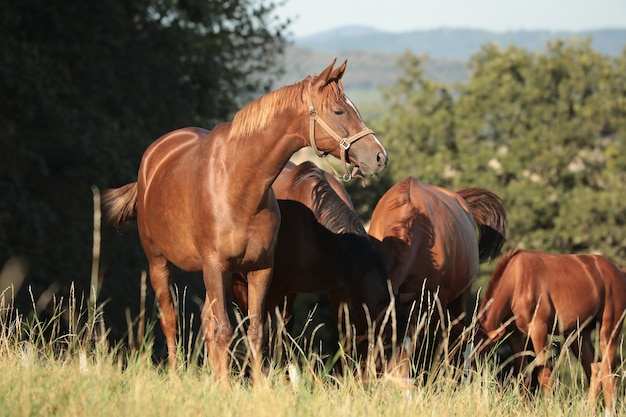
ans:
(50, 372)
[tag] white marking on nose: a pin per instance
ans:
(377, 141)
(352, 105)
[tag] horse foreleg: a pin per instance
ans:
(337, 299)
(258, 284)
(518, 344)
(539, 336)
(216, 323)
(457, 313)
(240, 292)
(160, 271)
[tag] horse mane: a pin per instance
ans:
(498, 272)
(261, 112)
(258, 114)
(328, 207)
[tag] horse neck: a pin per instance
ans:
(498, 295)
(362, 270)
(496, 308)
(263, 136)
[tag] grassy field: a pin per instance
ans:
(74, 372)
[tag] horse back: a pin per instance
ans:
(569, 288)
(167, 151)
(286, 188)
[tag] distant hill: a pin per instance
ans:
(366, 69)
(373, 54)
(452, 44)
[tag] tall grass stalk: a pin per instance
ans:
(50, 370)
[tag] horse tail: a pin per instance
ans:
(120, 205)
(490, 219)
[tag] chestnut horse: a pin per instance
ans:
(322, 247)
(534, 293)
(427, 236)
(203, 200)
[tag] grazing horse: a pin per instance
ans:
(322, 247)
(427, 236)
(535, 294)
(203, 200)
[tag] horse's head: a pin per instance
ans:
(336, 126)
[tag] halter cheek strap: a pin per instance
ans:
(344, 143)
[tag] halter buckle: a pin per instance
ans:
(344, 144)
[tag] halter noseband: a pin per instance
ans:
(344, 143)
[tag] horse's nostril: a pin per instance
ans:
(381, 158)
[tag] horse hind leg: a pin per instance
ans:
(603, 379)
(160, 272)
(582, 347)
(519, 344)
(457, 312)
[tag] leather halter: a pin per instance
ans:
(344, 143)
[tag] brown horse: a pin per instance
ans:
(535, 294)
(203, 200)
(322, 247)
(427, 236)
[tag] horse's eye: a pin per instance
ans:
(338, 112)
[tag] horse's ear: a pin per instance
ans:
(327, 75)
(338, 73)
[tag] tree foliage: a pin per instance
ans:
(86, 86)
(545, 131)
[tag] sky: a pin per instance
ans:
(495, 15)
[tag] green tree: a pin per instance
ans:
(544, 130)
(86, 86)
(419, 127)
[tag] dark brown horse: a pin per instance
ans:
(322, 247)
(428, 238)
(203, 200)
(536, 294)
